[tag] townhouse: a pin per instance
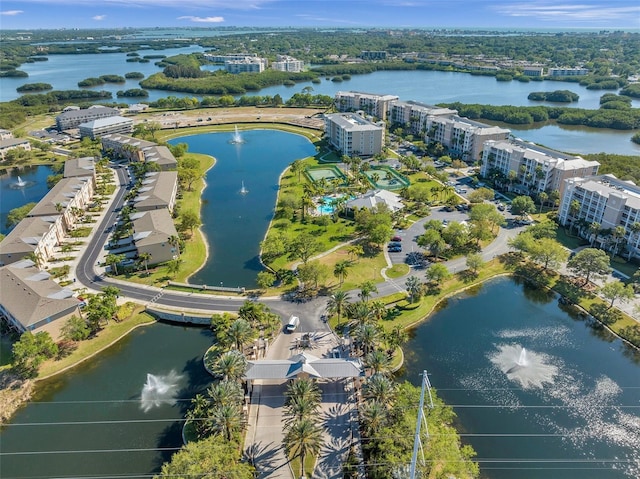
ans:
(31, 301)
(158, 191)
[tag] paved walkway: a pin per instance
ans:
(265, 431)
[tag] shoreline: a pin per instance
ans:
(203, 237)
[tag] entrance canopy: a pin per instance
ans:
(305, 364)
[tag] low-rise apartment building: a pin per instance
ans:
(124, 146)
(604, 200)
(80, 168)
(12, 144)
(67, 198)
(152, 231)
(370, 103)
(38, 235)
(568, 72)
(31, 301)
(161, 156)
(528, 168)
(158, 191)
(105, 126)
(72, 118)
(354, 135)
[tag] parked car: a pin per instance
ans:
(396, 239)
(395, 249)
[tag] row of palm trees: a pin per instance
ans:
(303, 436)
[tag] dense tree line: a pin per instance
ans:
(31, 87)
(223, 83)
(561, 96)
(619, 119)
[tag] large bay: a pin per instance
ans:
(568, 407)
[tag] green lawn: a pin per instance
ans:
(105, 338)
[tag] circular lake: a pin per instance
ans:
(234, 219)
(566, 407)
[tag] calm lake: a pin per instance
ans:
(567, 407)
(118, 414)
(13, 194)
(235, 221)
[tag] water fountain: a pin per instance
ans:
(243, 190)
(530, 369)
(159, 390)
(20, 184)
(237, 137)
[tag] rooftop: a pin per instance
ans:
(30, 295)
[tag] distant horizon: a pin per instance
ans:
(529, 15)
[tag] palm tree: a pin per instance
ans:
(374, 417)
(227, 420)
(340, 270)
(297, 167)
(337, 303)
(224, 393)
(395, 338)
(303, 438)
(173, 266)
(367, 288)
(199, 414)
(113, 260)
(594, 230)
(634, 229)
(574, 209)
(303, 388)
(367, 336)
(360, 312)
(377, 361)
(300, 408)
(239, 332)
(377, 309)
(379, 388)
(231, 365)
(543, 197)
(174, 241)
(414, 287)
(617, 234)
(145, 258)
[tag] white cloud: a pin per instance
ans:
(11, 13)
(181, 4)
(568, 12)
(202, 19)
(99, 17)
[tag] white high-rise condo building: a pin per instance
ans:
(607, 201)
(370, 103)
(354, 135)
(527, 168)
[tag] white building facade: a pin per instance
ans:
(354, 135)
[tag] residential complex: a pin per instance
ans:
(74, 117)
(31, 301)
(604, 200)
(158, 191)
(530, 168)
(153, 232)
(124, 146)
(353, 135)
(413, 115)
(105, 126)
(464, 138)
(246, 65)
(285, 63)
(13, 143)
(370, 103)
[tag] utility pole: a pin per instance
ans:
(417, 442)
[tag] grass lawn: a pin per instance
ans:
(102, 340)
(398, 270)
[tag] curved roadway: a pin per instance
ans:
(311, 311)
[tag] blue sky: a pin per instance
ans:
(532, 14)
